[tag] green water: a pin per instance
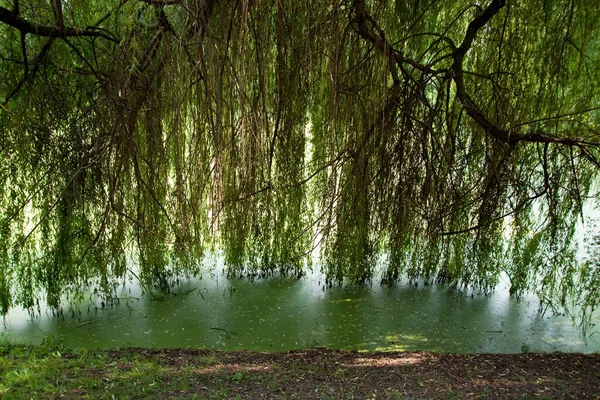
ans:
(279, 315)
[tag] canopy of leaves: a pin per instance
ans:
(451, 141)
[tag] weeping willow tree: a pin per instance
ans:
(450, 141)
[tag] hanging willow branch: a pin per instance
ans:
(441, 141)
(471, 108)
(24, 26)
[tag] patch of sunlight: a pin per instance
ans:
(401, 342)
(19, 377)
(135, 372)
(346, 301)
(219, 368)
(208, 359)
(399, 361)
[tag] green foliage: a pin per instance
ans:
(275, 130)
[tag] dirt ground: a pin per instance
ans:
(332, 374)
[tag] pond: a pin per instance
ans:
(280, 314)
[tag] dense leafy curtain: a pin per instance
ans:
(449, 141)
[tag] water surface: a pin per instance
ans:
(280, 314)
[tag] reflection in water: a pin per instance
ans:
(279, 315)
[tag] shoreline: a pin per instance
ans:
(313, 373)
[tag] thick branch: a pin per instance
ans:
(382, 44)
(507, 136)
(478, 23)
(470, 107)
(25, 26)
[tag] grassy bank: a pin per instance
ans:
(51, 372)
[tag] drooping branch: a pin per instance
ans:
(25, 26)
(37, 61)
(504, 135)
(333, 130)
(380, 42)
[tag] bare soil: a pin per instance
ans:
(333, 374)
